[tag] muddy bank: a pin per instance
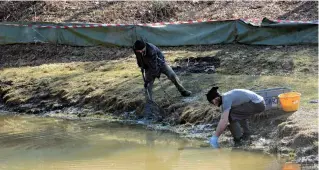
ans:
(52, 71)
(99, 82)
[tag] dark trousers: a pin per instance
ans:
(238, 118)
(239, 128)
(169, 72)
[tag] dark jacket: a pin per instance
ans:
(153, 60)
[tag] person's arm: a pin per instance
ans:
(220, 129)
(222, 123)
(226, 106)
(153, 58)
(160, 56)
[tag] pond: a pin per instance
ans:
(37, 143)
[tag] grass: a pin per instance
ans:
(117, 84)
(122, 78)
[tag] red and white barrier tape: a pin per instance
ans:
(154, 24)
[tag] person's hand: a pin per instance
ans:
(213, 141)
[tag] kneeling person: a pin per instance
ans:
(237, 106)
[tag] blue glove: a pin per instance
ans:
(213, 141)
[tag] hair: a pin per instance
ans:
(212, 94)
(139, 45)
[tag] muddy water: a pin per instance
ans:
(45, 143)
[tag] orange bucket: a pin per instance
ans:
(289, 101)
(291, 166)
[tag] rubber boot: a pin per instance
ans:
(180, 87)
(246, 134)
(236, 132)
(169, 72)
(237, 142)
(186, 93)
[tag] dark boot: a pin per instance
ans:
(235, 129)
(244, 124)
(236, 132)
(186, 93)
(180, 87)
(237, 142)
(246, 137)
(168, 71)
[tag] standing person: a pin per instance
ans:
(237, 106)
(152, 62)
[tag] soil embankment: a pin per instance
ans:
(100, 82)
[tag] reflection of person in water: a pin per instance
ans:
(152, 161)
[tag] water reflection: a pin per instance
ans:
(251, 160)
(28, 133)
(153, 161)
(42, 143)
